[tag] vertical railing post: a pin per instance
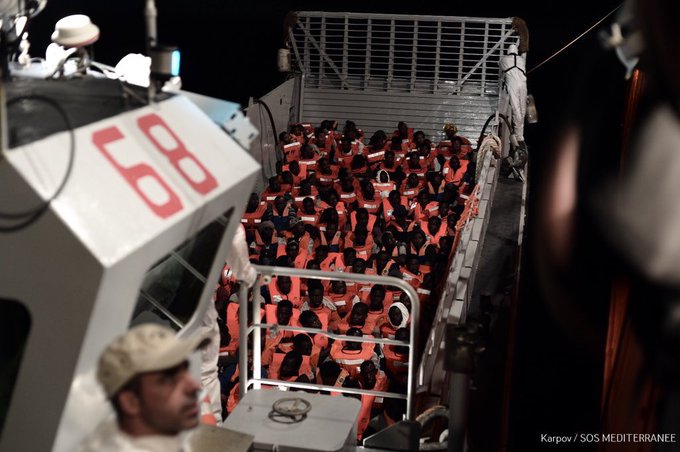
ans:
(390, 58)
(486, 48)
(257, 338)
(306, 63)
(243, 339)
(322, 64)
(345, 49)
(437, 57)
(461, 53)
(367, 64)
(414, 57)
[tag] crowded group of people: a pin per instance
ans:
(389, 206)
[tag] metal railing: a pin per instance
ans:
(424, 54)
(267, 272)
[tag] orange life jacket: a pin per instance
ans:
(293, 295)
(396, 364)
(251, 220)
(455, 177)
(371, 220)
(351, 360)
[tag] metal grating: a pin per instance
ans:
(377, 69)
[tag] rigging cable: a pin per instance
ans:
(29, 217)
(575, 39)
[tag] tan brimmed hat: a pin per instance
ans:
(144, 348)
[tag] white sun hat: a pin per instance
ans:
(76, 30)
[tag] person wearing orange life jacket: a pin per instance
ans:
(396, 357)
(397, 317)
(280, 212)
(298, 171)
(424, 207)
(306, 189)
(378, 304)
(382, 184)
(309, 156)
(346, 152)
(326, 174)
(285, 288)
(412, 187)
(399, 226)
(453, 142)
(265, 239)
(454, 170)
(360, 267)
(413, 165)
(393, 168)
(359, 167)
(331, 237)
(436, 187)
(341, 299)
(382, 262)
(399, 148)
(370, 377)
(350, 354)
(366, 400)
(298, 232)
(331, 200)
(309, 214)
(343, 263)
(361, 217)
(273, 190)
(347, 189)
(293, 250)
(282, 314)
(367, 198)
(316, 302)
(389, 203)
(312, 264)
(255, 210)
(434, 229)
(357, 318)
(411, 271)
(331, 373)
(303, 343)
(375, 151)
(309, 319)
(389, 244)
(361, 241)
(289, 366)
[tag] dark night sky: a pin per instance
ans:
(229, 51)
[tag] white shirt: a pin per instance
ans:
(109, 438)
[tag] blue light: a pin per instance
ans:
(174, 71)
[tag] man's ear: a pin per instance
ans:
(129, 402)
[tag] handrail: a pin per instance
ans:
(267, 272)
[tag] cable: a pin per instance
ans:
(32, 215)
(271, 119)
(575, 39)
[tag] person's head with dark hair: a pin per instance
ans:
(303, 344)
(412, 180)
(368, 374)
(423, 198)
(338, 287)
(284, 312)
(397, 315)
(292, 248)
(402, 334)
(274, 184)
(305, 187)
(290, 366)
(413, 264)
(353, 384)
(360, 235)
(323, 165)
(253, 202)
(389, 158)
(359, 265)
(362, 216)
(285, 138)
(348, 256)
(329, 215)
(315, 293)
(321, 252)
(376, 297)
(395, 144)
(418, 138)
(308, 205)
(402, 128)
(405, 300)
(394, 198)
(329, 372)
(279, 204)
(367, 189)
(283, 261)
(433, 224)
(357, 317)
(309, 319)
(358, 162)
(413, 160)
(287, 178)
(331, 229)
(382, 258)
(394, 409)
(284, 284)
(378, 140)
(352, 345)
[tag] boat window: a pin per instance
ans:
(15, 324)
(173, 285)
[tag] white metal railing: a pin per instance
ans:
(245, 330)
(425, 54)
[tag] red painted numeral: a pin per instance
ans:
(135, 173)
(178, 154)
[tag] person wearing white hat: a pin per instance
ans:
(513, 66)
(145, 375)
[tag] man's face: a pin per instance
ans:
(168, 400)
(316, 297)
(292, 250)
(283, 315)
(284, 283)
